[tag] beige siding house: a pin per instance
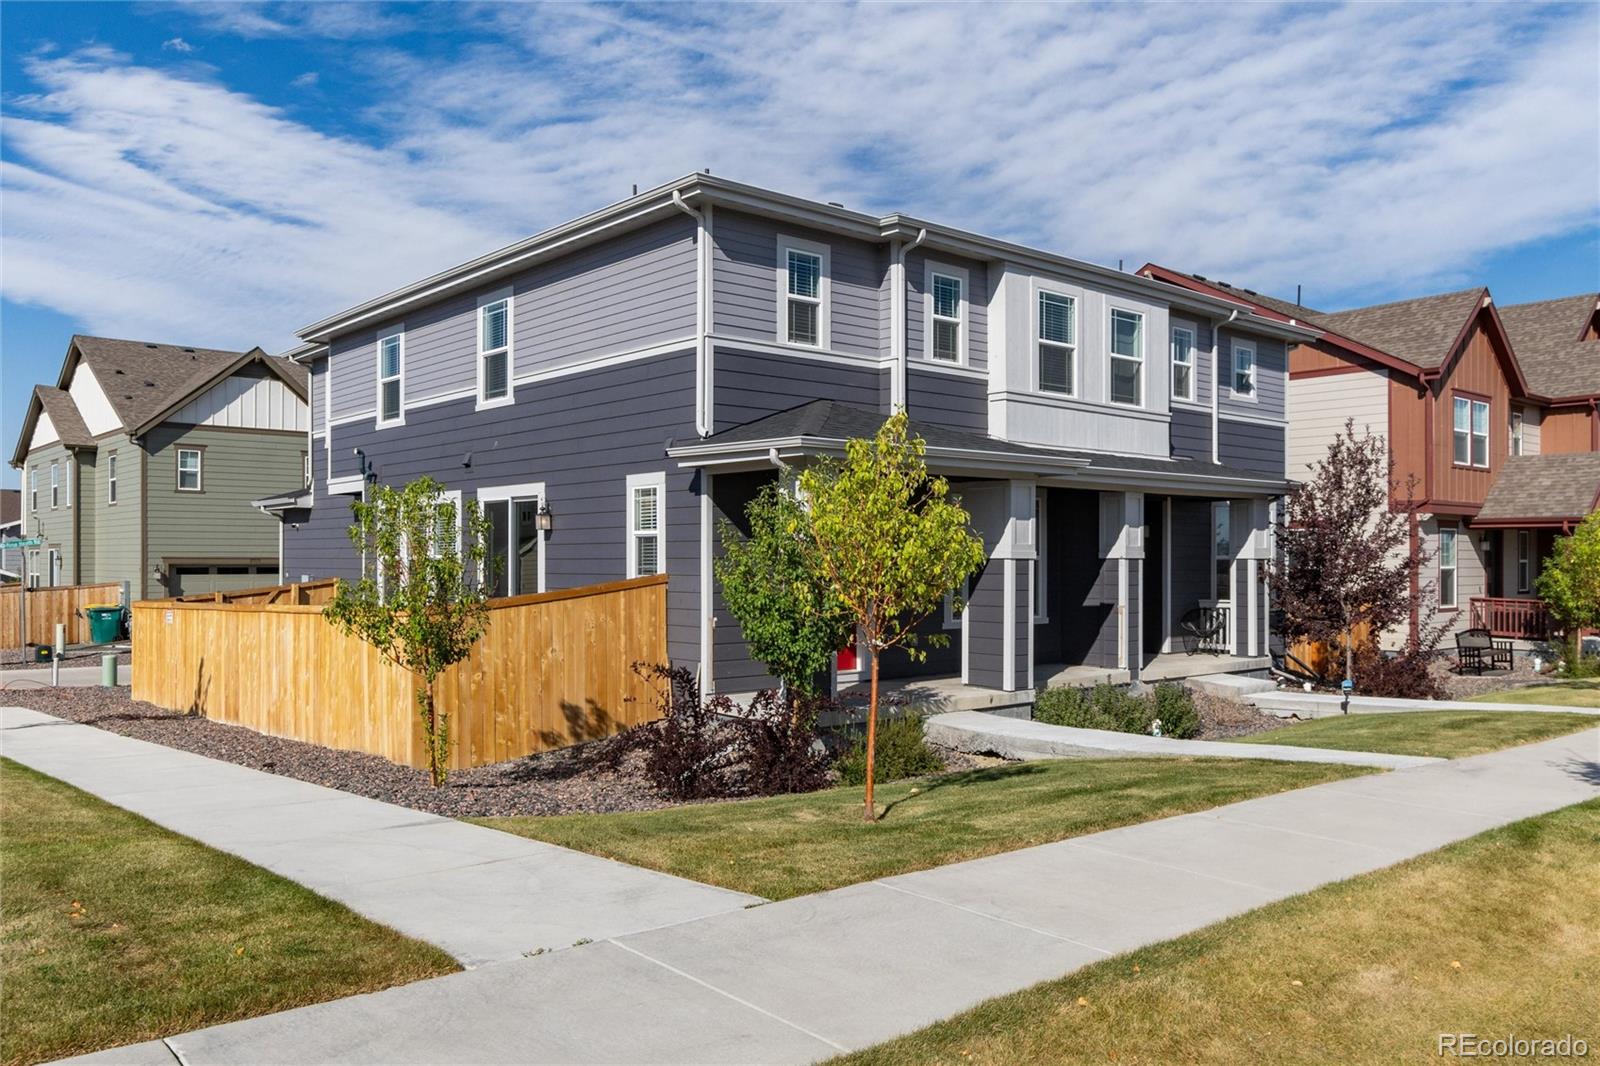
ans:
(141, 462)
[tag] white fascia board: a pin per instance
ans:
(801, 447)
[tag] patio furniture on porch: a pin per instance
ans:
(1477, 650)
(1205, 629)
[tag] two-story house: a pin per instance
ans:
(141, 462)
(1471, 406)
(631, 378)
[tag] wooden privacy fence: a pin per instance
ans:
(46, 607)
(1326, 659)
(313, 593)
(551, 670)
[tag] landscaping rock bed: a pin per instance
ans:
(12, 658)
(1224, 719)
(1464, 686)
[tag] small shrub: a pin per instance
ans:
(690, 751)
(900, 752)
(1579, 667)
(780, 753)
(1109, 707)
(1404, 675)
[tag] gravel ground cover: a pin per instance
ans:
(81, 655)
(1225, 719)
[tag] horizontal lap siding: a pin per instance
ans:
(218, 522)
(977, 306)
(1251, 446)
(734, 669)
(745, 286)
(581, 435)
(751, 385)
(985, 620)
(948, 400)
(1322, 406)
(1272, 374)
(1191, 433)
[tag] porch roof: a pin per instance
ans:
(1534, 490)
(822, 427)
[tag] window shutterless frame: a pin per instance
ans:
(1447, 567)
(945, 314)
(1517, 421)
(1524, 561)
(496, 349)
(55, 486)
(1469, 424)
(111, 479)
(1243, 382)
(33, 488)
(1182, 346)
(805, 293)
(647, 526)
(190, 478)
(1055, 332)
(391, 378)
(1125, 350)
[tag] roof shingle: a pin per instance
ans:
(1545, 337)
(64, 416)
(141, 378)
(1556, 486)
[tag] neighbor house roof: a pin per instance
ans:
(64, 416)
(822, 427)
(1545, 336)
(1548, 489)
(1423, 331)
(10, 507)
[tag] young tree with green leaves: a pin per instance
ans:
(1569, 584)
(422, 600)
(774, 584)
(891, 544)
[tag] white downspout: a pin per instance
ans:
(897, 327)
(702, 383)
(1216, 379)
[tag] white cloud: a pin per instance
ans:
(177, 44)
(1360, 150)
(305, 81)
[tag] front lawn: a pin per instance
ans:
(794, 845)
(1560, 694)
(114, 930)
(1446, 734)
(1495, 936)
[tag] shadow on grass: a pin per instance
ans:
(966, 778)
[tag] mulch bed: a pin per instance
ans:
(1461, 686)
(1224, 719)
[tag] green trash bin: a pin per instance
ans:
(105, 622)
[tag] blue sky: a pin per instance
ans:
(220, 174)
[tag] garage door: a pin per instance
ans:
(190, 580)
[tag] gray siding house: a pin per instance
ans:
(641, 371)
(141, 462)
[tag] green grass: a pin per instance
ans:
(113, 930)
(794, 845)
(1560, 694)
(1496, 935)
(1445, 734)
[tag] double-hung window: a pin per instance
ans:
(804, 293)
(1447, 567)
(391, 378)
(1058, 343)
(1183, 363)
(1244, 371)
(646, 529)
(66, 483)
(1516, 431)
(947, 340)
(111, 478)
(55, 485)
(33, 488)
(1524, 560)
(494, 349)
(188, 470)
(1127, 357)
(1471, 432)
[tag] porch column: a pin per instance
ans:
(997, 627)
(1251, 537)
(1122, 540)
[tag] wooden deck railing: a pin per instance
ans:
(551, 670)
(1521, 619)
(49, 605)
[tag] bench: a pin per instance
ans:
(1476, 650)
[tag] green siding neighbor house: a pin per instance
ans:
(141, 462)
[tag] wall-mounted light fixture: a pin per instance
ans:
(544, 519)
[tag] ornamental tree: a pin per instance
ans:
(1345, 553)
(891, 544)
(422, 600)
(775, 585)
(1569, 584)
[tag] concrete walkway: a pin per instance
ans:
(78, 675)
(1289, 703)
(479, 894)
(801, 980)
(974, 731)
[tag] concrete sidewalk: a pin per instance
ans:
(77, 675)
(1022, 738)
(1289, 703)
(801, 980)
(479, 894)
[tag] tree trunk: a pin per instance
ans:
(434, 761)
(872, 738)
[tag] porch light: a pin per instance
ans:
(544, 520)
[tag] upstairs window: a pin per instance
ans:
(946, 336)
(1516, 431)
(804, 296)
(55, 486)
(188, 470)
(391, 375)
(66, 483)
(1244, 371)
(33, 488)
(1471, 432)
(494, 350)
(1183, 363)
(111, 478)
(1127, 357)
(1447, 567)
(646, 534)
(1058, 344)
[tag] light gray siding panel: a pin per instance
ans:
(947, 400)
(1272, 375)
(745, 289)
(1191, 433)
(1022, 622)
(1251, 446)
(751, 385)
(985, 623)
(351, 362)
(1322, 405)
(977, 305)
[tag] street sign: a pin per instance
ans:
(21, 542)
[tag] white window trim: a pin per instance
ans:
(1041, 568)
(66, 483)
(1144, 354)
(509, 494)
(1236, 347)
(952, 618)
(485, 300)
(398, 333)
(1524, 561)
(1174, 327)
(785, 244)
(451, 496)
(1519, 422)
(52, 558)
(1473, 403)
(55, 485)
(1076, 347)
(658, 481)
(199, 470)
(33, 489)
(1454, 568)
(111, 479)
(930, 268)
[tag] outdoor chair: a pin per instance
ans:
(1476, 650)
(1203, 629)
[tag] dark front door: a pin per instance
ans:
(1150, 596)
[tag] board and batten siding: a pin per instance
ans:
(631, 292)
(744, 291)
(1322, 405)
(253, 398)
